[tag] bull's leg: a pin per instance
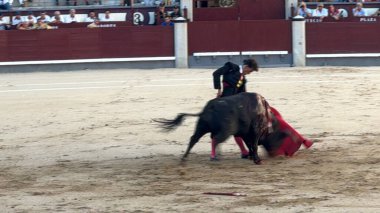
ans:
(256, 157)
(248, 142)
(193, 140)
(253, 147)
(250, 150)
(199, 132)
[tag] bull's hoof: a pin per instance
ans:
(183, 159)
(258, 162)
(214, 159)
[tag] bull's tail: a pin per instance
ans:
(170, 125)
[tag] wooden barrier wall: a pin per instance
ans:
(261, 9)
(84, 43)
(213, 36)
(227, 36)
(243, 10)
(342, 37)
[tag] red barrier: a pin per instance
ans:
(243, 10)
(227, 36)
(215, 14)
(268, 35)
(78, 43)
(218, 36)
(342, 37)
(261, 9)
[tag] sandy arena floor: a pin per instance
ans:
(84, 142)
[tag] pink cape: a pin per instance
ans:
(292, 142)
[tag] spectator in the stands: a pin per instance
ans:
(358, 10)
(5, 5)
(176, 12)
(17, 19)
(75, 2)
(57, 18)
(334, 12)
(21, 2)
(167, 22)
(161, 14)
(97, 2)
(94, 24)
(72, 17)
(320, 11)
(24, 26)
(107, 16)
(167, 2)
(3, 24)
(303, 10)
(31, 19)
(41, 25)
(125, 2)
(44, 17)
(148, 2)
(91, 17)
(71, 3)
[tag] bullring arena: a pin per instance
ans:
(85, 142)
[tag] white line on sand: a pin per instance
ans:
(174, 85)
(195, 79)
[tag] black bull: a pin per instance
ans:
(244, 115)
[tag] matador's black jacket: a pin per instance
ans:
(233, 81)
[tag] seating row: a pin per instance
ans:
(81, 17)
(370, 11)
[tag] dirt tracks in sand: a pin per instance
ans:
(321, 176)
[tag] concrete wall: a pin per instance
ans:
(263, 60)
(87, 66)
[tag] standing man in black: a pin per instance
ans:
(233, 83)
(233, 77)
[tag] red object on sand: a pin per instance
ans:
(225, 193)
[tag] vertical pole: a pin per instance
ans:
(181, 43)
(289, 5)
(299, 41)
(188, 4)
